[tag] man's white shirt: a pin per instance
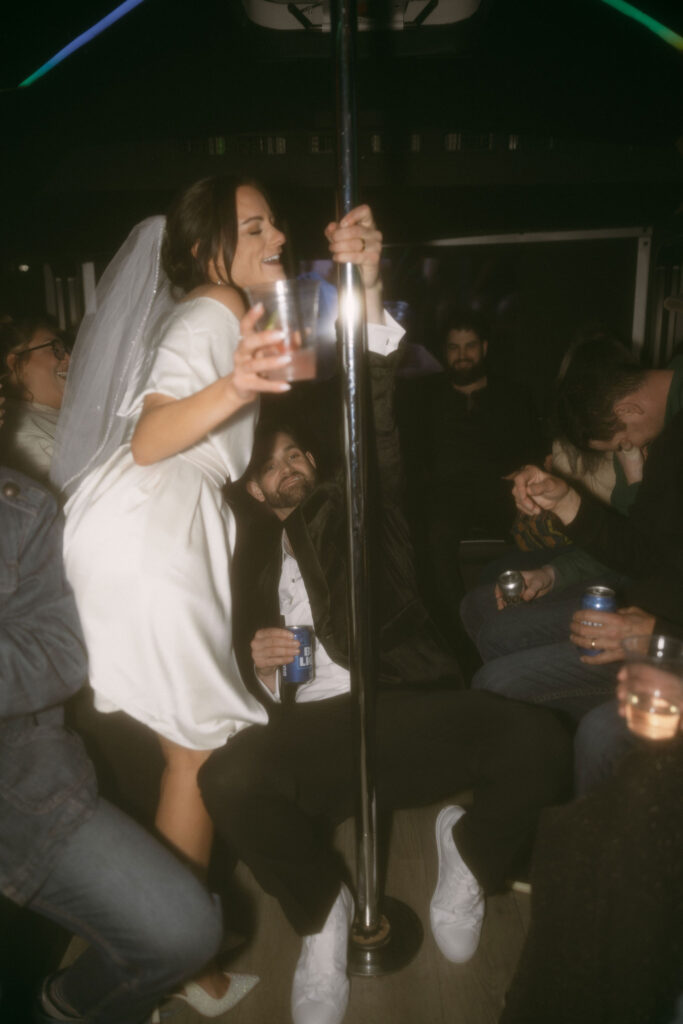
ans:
(329, 678)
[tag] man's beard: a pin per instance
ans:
(292, 496)
(462, 375)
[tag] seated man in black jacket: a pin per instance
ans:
(462, 432)
(272, 788)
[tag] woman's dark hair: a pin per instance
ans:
(596, 373)
(15, 335)
(201, 225)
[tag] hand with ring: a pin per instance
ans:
(355, 239)
(604, 632)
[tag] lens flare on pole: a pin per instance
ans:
(667, 34)
(387, 934)
(85, 37)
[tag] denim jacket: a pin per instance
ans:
(47, 783)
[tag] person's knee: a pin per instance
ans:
(590, 734)
(476, 607)
(190, 936)
(601, 740)
(494, 637)
(493, 678)
(496, 632)
(554, 739)
(201, 940)
(226, 785)
(540, 744)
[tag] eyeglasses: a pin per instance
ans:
(59, 349)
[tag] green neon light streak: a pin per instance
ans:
(667, 34)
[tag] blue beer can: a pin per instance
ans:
(300, 670)
(599, 599)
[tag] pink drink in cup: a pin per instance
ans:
(290, 307)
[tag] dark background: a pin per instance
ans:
(105, 137)
(530, 115)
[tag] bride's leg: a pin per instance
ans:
(181, 816)
(182, 819)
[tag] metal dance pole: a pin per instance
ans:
(383, 939)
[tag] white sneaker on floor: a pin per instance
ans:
(320, 993)
(456, 912)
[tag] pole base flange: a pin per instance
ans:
(394, 944)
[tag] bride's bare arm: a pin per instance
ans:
(170, 425)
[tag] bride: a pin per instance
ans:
(159, 411)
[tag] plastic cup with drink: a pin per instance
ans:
(651, 686)
(291, 307)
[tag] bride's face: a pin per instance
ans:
(259, 242)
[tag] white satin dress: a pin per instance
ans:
(147, 551)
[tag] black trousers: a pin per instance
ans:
(274, 789)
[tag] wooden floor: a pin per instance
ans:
(428, 991)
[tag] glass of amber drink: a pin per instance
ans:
(651, 686)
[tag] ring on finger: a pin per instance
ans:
(593, 644)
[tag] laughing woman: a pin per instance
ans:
(33, 367)
(161, 412)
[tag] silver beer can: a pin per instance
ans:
(511, 585)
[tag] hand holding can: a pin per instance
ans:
(300, 668)
(511, 585)
(600, 599)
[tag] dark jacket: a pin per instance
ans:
(648, 544)
(459, 447)
(410, 648)
(47, 784)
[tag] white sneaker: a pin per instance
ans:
(320, 993)
(456, 912)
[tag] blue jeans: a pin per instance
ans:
(534, 624)
(149, 922)
(601, 741)
(528, 655)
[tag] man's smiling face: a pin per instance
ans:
(285, 478)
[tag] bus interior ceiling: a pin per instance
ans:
(516, 118)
